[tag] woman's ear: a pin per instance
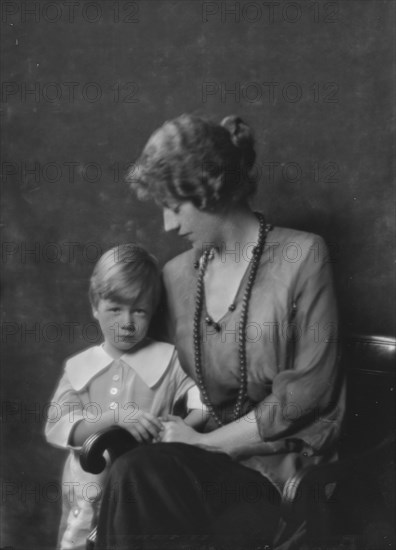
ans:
(233, 124)
(94, 312)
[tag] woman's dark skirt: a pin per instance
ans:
(174, 496)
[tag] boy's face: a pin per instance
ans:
(123, 325)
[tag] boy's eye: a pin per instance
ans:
(114, 309)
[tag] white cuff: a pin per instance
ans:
(194, 399)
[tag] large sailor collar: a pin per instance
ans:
(150, 363)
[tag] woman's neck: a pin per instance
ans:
(237, 230)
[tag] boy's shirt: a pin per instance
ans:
(93, 383)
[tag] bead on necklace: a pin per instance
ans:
(253, 267)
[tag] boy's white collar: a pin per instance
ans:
(150, 363)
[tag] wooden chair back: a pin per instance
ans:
(370, 414)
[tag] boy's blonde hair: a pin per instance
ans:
(124, 274)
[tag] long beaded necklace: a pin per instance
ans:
(254, 263)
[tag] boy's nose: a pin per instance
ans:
(170, 221)
(127, 319)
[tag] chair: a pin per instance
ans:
(350, 500)
(360, 512)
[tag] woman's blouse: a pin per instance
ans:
(295, 389)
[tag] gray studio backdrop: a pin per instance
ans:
(85, 83)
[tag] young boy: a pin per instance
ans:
(129, 381)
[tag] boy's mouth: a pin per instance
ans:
(128, 336)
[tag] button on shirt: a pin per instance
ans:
(150, 379)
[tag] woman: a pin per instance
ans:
(252, 312)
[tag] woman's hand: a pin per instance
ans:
(175, 430)
(144, 426)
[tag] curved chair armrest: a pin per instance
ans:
(307, 489)
(116, 441)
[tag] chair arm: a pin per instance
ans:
(306, 490)
(116, 441)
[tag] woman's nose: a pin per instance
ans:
(170, 221)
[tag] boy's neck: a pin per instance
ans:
(116, 353)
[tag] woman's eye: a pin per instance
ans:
(114, 309)
(174, 207)
(140, 311)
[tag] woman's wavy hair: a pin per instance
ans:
(193, 159)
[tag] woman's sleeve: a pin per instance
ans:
(64, 412)
(307, 397)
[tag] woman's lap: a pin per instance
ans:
(172, 494)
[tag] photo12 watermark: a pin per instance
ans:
(69, 412)
(31, 174)
(51, 332)
(52, 492)
(37, 252)
(69, 92)
(268, 92)
(70, 11)
(271, 13)
(75, 252)
(271, 331)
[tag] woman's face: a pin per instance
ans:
(199, 227)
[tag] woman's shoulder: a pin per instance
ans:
(183, 261)
(296, 247)
(281, 239)
(289, 235)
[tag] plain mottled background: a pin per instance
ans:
(324, 152)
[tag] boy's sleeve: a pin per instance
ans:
(185, 388)
(64, 412)
(194, 399)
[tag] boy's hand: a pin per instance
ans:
(175, 429)
(142, 425)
